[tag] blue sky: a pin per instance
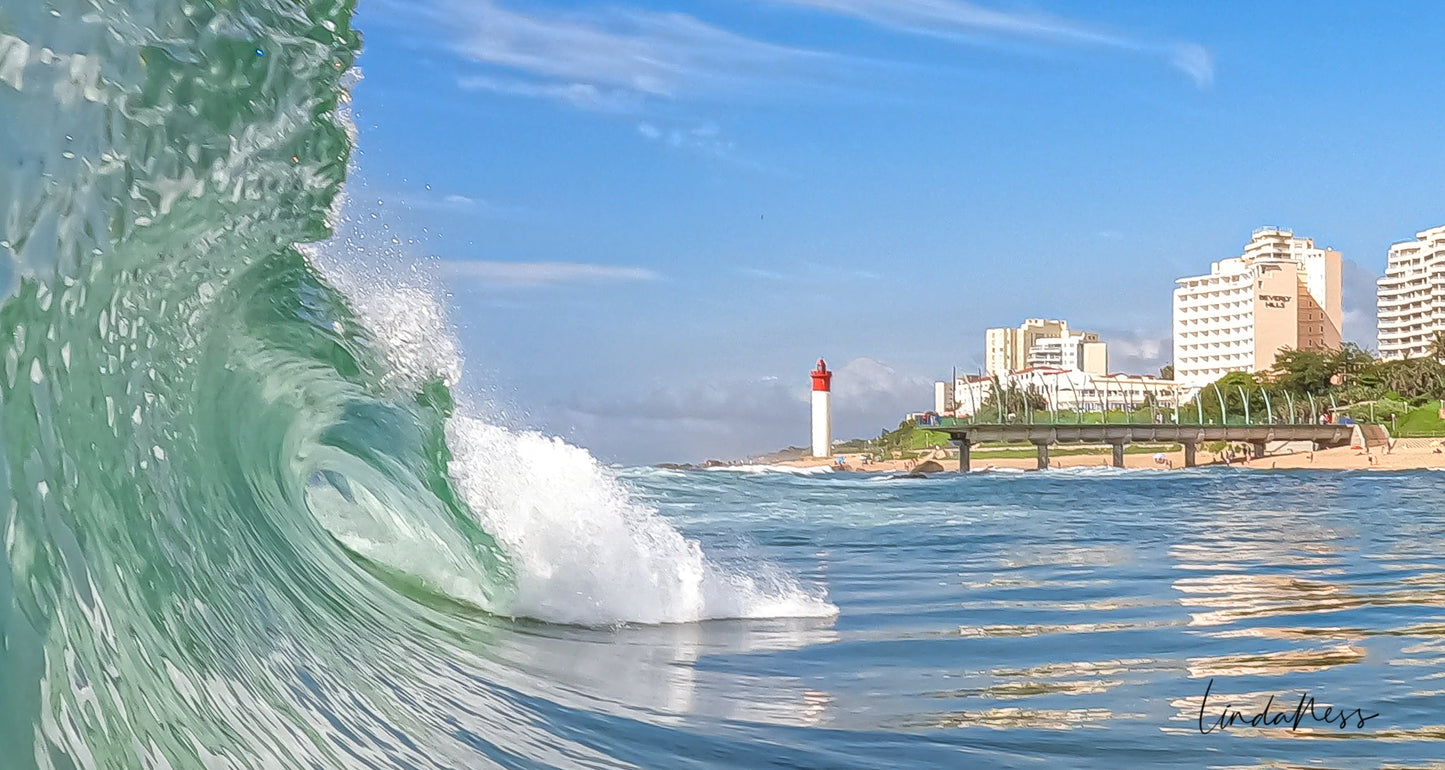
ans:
(654, 217)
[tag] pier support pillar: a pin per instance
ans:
(1043, 450)
(1189, 460)
(1118, 455)
(963, 455)
(1256, 450)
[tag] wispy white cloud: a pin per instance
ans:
(758, 272)
(1196, 61)
(583, 96)
(809, 274)
(607, 59)
(447, 204)
(537, 274)
(617, 59)
(971, 22)
(705, 138)
(955, 17)
(435, 202)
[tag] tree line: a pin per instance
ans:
(1348, 380)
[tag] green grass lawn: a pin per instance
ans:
(907, 439)
(1424, 421)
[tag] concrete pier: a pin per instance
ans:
(963, 455)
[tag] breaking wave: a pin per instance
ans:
(247, 523)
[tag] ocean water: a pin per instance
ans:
(1076, 618)
(254, 518)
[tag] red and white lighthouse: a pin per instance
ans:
(822, 411)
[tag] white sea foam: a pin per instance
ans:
(402, 309)
(1101, 470)
(815, 470)
(584, 551)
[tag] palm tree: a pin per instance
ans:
(1350, 360)
(1437, 346)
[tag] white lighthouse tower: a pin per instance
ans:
(822, 411)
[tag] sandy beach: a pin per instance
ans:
(1415, 456)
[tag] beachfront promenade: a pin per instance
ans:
(1118, 435)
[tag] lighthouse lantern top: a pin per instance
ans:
(822, 378)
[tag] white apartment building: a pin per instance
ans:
(1282, 292)
(1043, 342)
(1081, 351)
(1063, 389)
(1410, 298)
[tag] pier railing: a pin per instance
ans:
(1254, 418)
(1211, 406)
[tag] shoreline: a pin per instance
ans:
(1336, 459)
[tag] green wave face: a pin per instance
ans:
(214, 493)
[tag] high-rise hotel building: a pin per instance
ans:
(1281, 293)
(1410, 299)
(1043, 342)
